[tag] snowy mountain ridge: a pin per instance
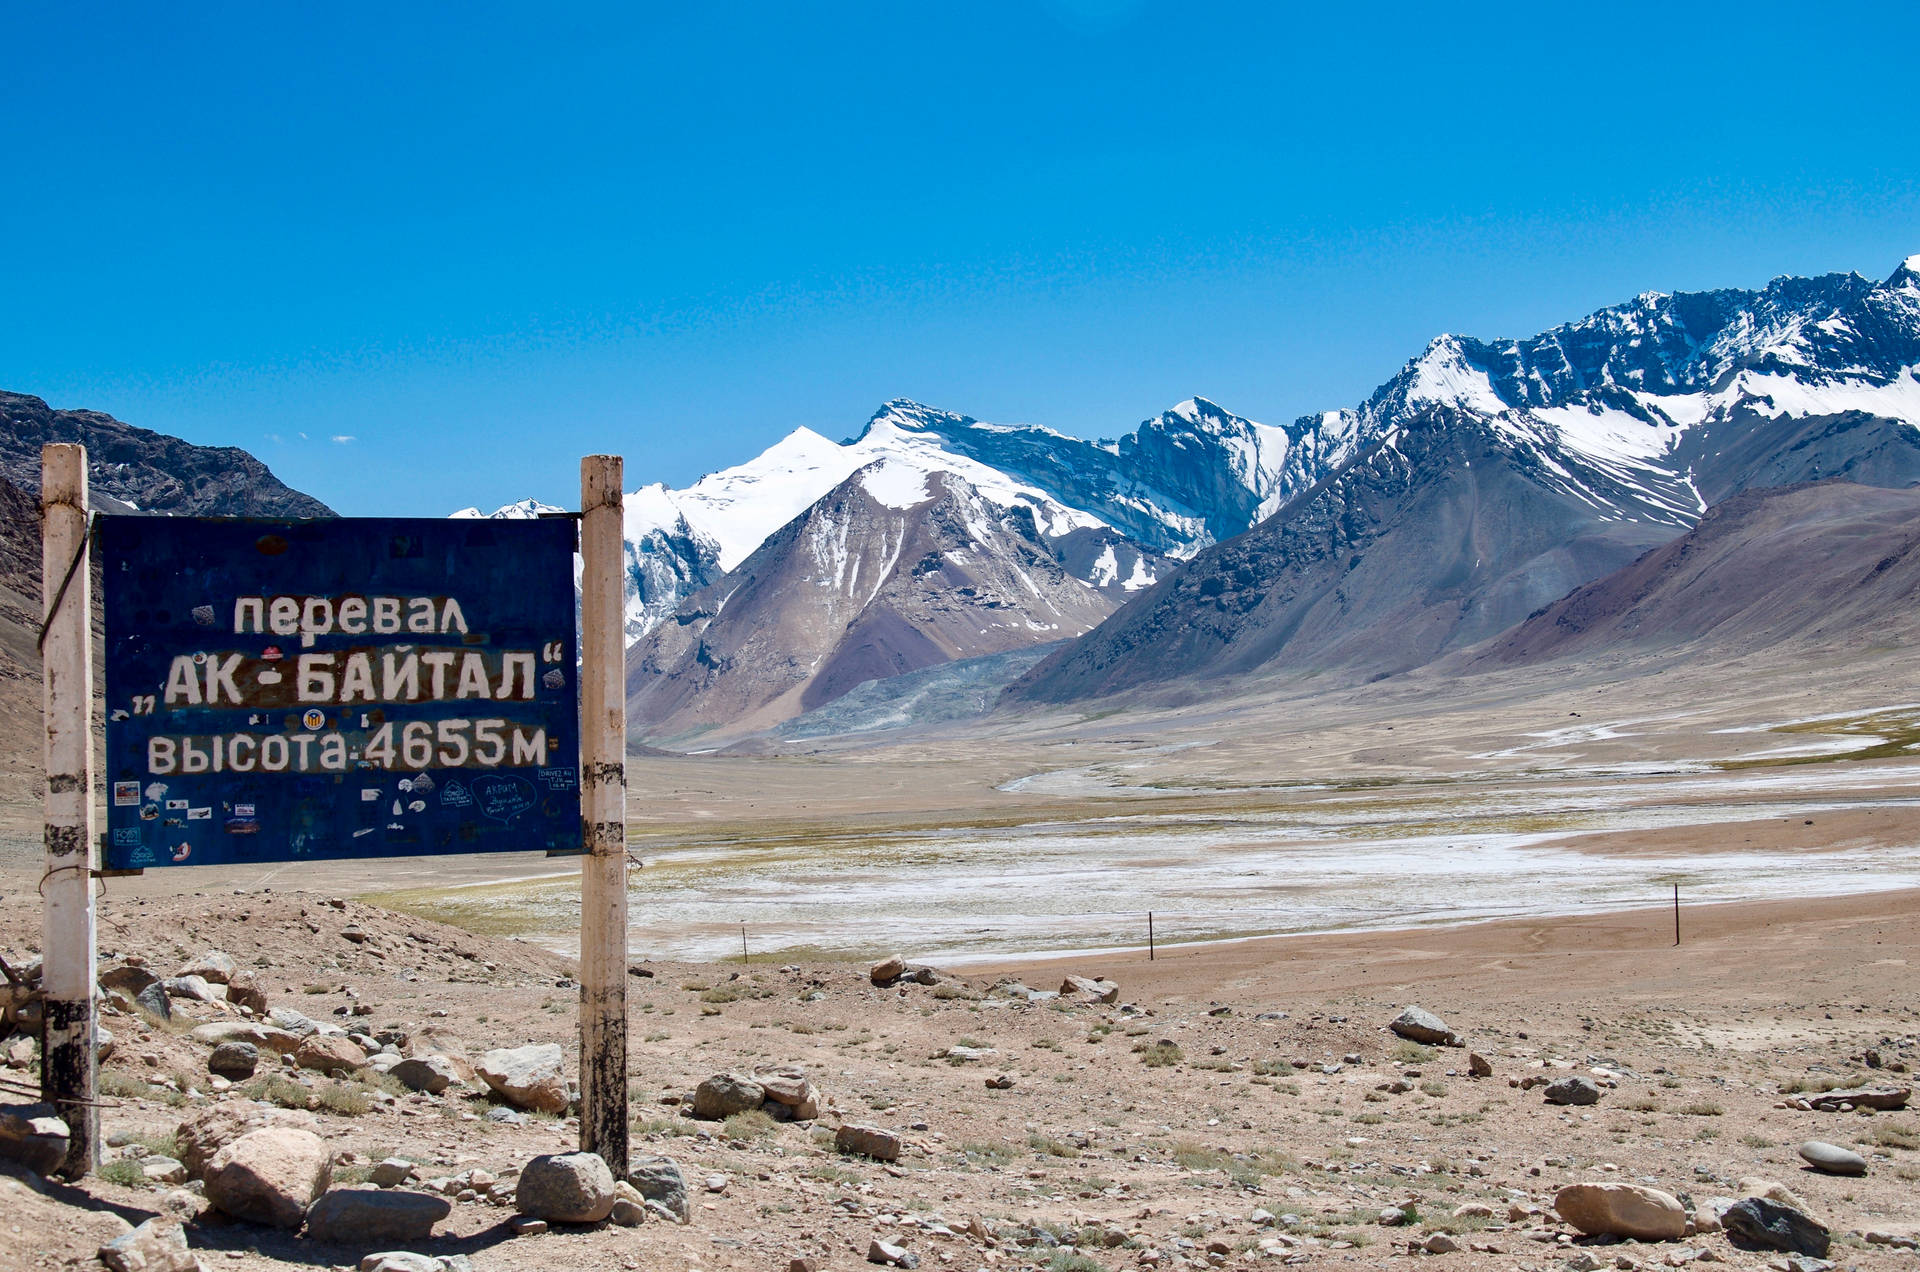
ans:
(1114, 509)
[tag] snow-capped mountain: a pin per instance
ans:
(897, 568)
(1487, 479)
(1110, 511)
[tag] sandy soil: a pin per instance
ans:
(1092, 1145)
(1134, 1165)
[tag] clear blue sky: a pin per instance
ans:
(481, 240)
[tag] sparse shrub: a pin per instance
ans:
(994, 1152)
(749, 1125)
(1046, 1147)
(346, 1099)
(124, 1172)
(1700, 1108)
(1410, 1053)
(1160, 1054)
(276, 1088)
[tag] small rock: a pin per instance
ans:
(1478, 1066)
(1622, 1210)
(161, 1169)
(197, 988)
(1885, 1099)
(868, 1141)
(1831, 1159)
(243, 990)
(887, 970)
(528, 1077)
(1769, 1225)
(270, 1176)
(215, 966)
(153, 1000)
(527, 1226)
(1000, 1082)
(268, 1037)
(329, 1054)
(725, 1094)
(1391, 1217)
(372, 1214)
(1091, 989)
(158, 1245)
(1573, 1090)
(891, 1255)
(658, 1180)
(627, 1213)
(566, 1188)
(234, 1060)
(1417, 1025)
(34, 1136)
(1440, 1243)
(401, 1261)
(430, 1073)
(392, 1171)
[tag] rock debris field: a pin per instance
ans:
(293, 1079)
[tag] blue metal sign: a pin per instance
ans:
(281, 690)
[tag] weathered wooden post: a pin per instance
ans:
(68, 1072)
(603, 810)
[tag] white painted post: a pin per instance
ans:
(68, 1073)
(603, 809)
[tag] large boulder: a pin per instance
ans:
(330, 1054)
(158, 1245)
(430, 1073)
(528, 1077)
(34, 1136)
(207, 1131)
(566, 1188)
(1756, 1223)
(358, 1215)
(270, 1176)
(1418, 1025)
(659, 1180)
(1622, 1210)
(725, 1094)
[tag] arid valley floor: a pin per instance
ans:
(1241, 1103)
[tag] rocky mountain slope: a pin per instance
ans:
(129, 468)
(1489, 474)
(1812, 565)
(896, 569)
(149, 471)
